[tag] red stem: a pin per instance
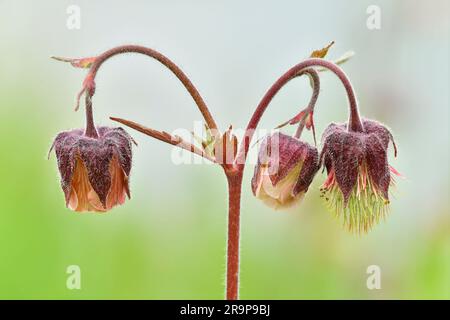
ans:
(166, 62)
(234, 201)
(314, 76)
(355, 123)
(90, 130)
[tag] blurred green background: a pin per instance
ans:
(168, 242)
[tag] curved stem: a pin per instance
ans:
(90, 130)
(355, 123)
(166, 62)
(312, 103)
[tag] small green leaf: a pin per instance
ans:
(83, 63)
(342, 59)
(346, 56)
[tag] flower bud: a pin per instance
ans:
(94, 171)
(284, 171)
(359, 175)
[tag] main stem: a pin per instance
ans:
(234, 204)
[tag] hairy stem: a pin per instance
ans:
(314, 76)
(166, 62)
(90, 130)
(355, 123)
(234, 203)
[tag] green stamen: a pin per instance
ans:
(363, 210)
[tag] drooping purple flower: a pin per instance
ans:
(94, 171)
(284, 171)
(359, 175)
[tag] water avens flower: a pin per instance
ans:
(94, 171)
(286, 167)
(95, 162)
(359, 175)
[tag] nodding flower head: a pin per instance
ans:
(359, 175)
(285, 168)
(94, 171)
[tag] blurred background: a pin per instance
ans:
(168, 242)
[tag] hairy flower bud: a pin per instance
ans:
(94, 171)
(359, 175)
(284, 171)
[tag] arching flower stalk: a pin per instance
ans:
(95, 164)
